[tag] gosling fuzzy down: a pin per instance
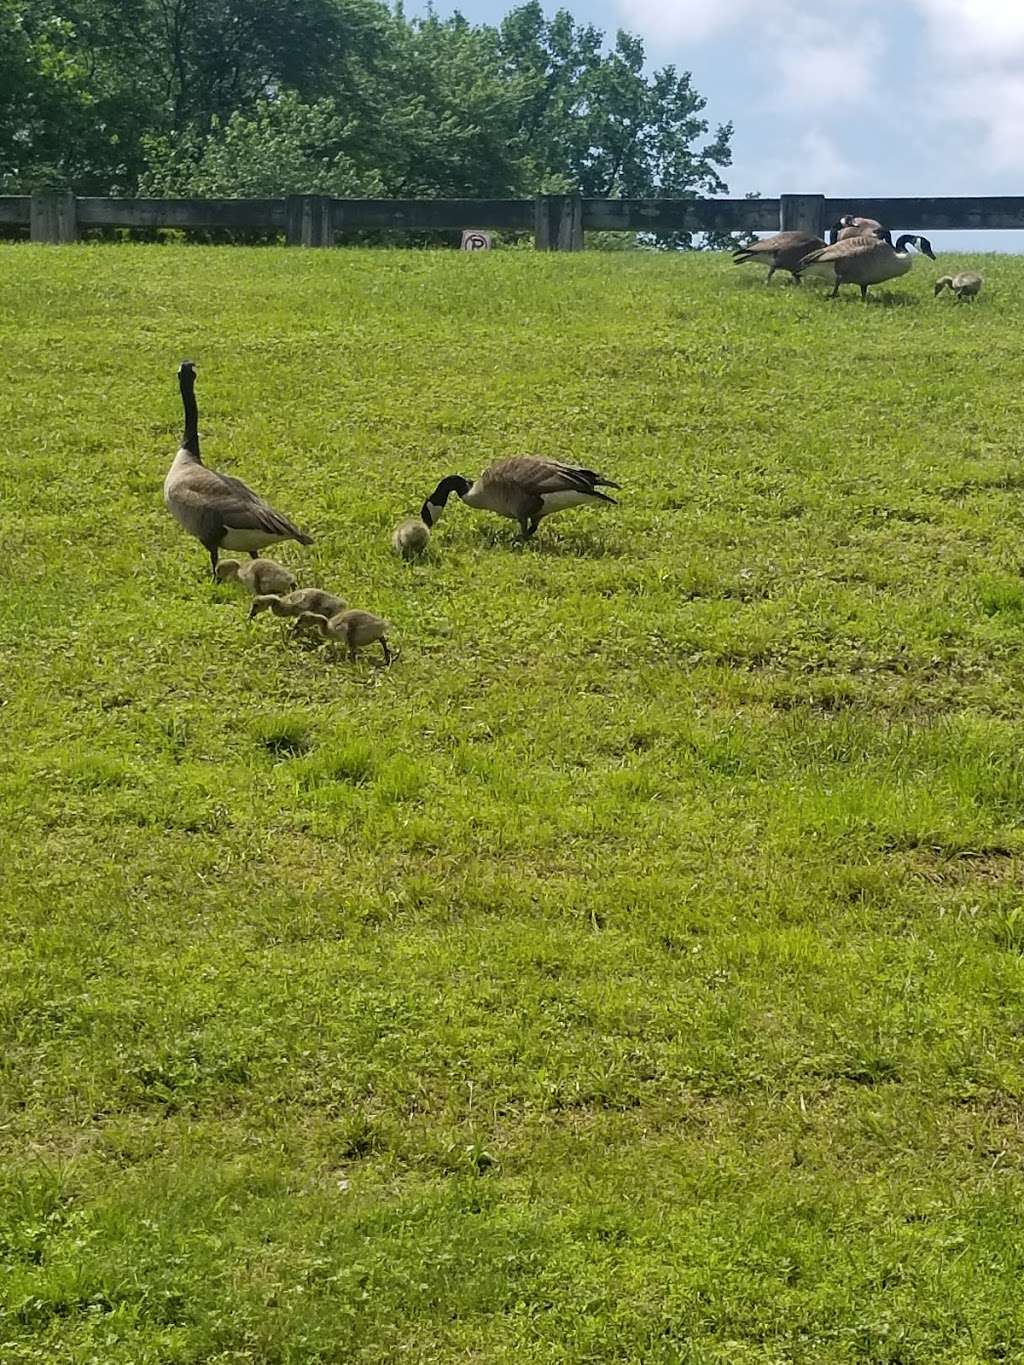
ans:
(258, 576)
(410, 539)
(354, 629)
(966, 285)
(295, 603)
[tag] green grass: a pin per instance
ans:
(633, 972)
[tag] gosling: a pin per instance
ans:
(410, 539)
(295, 603)
(966, 285)
(257, 576)
(354, 629)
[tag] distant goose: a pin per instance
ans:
(851, 226)
(966, 285)
(295, 603)
(256, 575)
(784, 251)
(865, 260)
(410, 539)
(524, 489)
(220, 511)
(355, 629)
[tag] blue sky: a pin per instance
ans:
(846, 97)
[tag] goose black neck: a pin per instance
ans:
(190, 436)
(435, 504)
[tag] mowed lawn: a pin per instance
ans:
(633, 972)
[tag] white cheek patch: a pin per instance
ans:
(433, 511)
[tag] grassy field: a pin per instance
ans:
(632, 972)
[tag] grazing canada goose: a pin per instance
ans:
(295, 603)
(852, 226)
(525, 488)
(220, 511)
(866, 260)
(410, 539)
(966, 285)
(784, 251)
(355, 629)
(257, 575)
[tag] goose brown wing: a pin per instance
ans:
(240, 508)
(850, 248)
(536, 477)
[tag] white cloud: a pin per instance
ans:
(977, 77)
(813, 57)
(694, 20)
(815, 67)
(976, 28)
(812, 162)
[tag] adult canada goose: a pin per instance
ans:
(355, 629)
(866, 260)
(784, 251)
(220, 511)
(966, 285)
(525, 488)
(852, 226)
(257, 575)
(295, 603)
(410, 539)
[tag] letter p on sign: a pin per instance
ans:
(472, 240)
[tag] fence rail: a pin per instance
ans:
(558, 221)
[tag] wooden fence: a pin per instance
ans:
(557, 221)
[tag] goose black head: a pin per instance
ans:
(187, 371)
(435, 504)
(922, 243)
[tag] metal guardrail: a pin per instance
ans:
(558, 221)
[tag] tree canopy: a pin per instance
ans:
(345, 97)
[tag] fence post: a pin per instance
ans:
(802, 213)
(308, 220)
(53, 217)
(570, 226)
(558, 222)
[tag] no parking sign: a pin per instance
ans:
(472, 240)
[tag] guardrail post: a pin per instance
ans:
(802, 213)
(53, 217)
(558, 222)
(308, 220)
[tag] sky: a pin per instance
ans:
(869, 97)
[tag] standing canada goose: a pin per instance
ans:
(525, 488)
(852, 226)
(257, 575)
(295, 603)
(966, 285)
(410, 539)
(866, 260)
(355, 629)
(220, 511)
(784, 251)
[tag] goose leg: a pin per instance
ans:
(214, 556)
(771, 271)
(387, 652)
(835, 291)
(864, 292)
(529, 527)
(254, 554)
